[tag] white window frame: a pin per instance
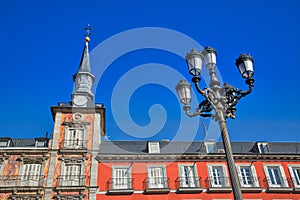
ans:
(263, 147)
(153, 147)
(159, 178)
(6, 142)
(211, 147)
(220, 178)
(40, 143)
(253, 175)
(190, 178)
(296, 179)
(121, 177)
(31, 173)
(75, 139)
(282, 177)
(71, 175)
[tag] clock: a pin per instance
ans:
(80, 100)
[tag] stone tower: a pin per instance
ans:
(78, 127)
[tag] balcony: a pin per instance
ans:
(70, 182)
(251, 185)
(296, 185)
(156, 185)
(218, 184)
(188, 185)
(73, 145)
(21, 182)
(283, 185)
(120, 186)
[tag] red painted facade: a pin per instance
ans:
(138, 172)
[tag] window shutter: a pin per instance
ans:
(296, 174)
(156, 177)
(211, 178)
(238, 169)
(283, 177)
(187, 176)
(254, 176)
(224, 176)
(120, 178)
(31, 174)
(267, 175)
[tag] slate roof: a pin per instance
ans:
(141, 147)
(22, 142)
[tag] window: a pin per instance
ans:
(188, 177)
(74, 138)
(263, 147)
(121, 177)
(31, 175)
(156, 177)
(247, 175)
(153, 147)
(3, 143)
(218, 176)
(41, 144)
(295, 174)
(72, 175)
(275, 176)
(210, 147)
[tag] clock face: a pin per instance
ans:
(80, 100)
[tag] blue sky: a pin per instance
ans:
(42, 42)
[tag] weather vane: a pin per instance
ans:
(87, 34)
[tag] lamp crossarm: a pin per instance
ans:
(196, 80)
(198, 112)
(233, 95)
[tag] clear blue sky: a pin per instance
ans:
(42, 42)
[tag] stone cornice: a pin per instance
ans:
(199, 158)
(20, 150)
(73, 159)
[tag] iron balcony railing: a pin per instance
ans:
(250, 182)
(188, 182)
(296, 182)
(22, 181)
(73, 144)
(280, 182)
(70, 180)
(156, 183)
(123, 183)
(217, 182)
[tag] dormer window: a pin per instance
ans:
(5, 142)
(210, 147)
(153, 147)
(263, 147)
(41, 142)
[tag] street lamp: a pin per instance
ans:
(220, 102)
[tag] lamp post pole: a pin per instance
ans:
(236, 188)
(219, 103)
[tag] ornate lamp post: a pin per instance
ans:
(220, 102)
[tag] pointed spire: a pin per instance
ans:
(83, 79)
(85, 59)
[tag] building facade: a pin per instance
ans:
(61, 167)
(74, 164)
(23, 164)
(78, 126)
(197, 170)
